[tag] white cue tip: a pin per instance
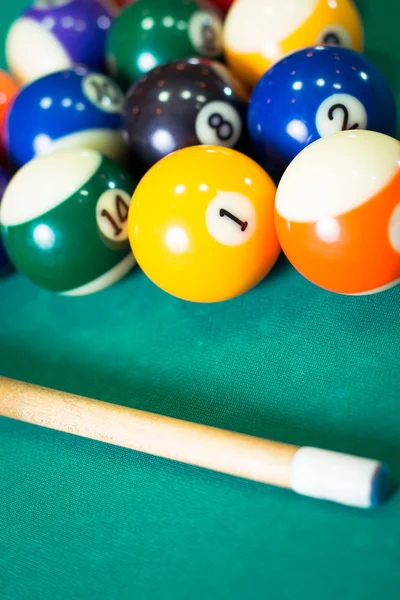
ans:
(342, 478)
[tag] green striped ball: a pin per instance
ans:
(64, 221)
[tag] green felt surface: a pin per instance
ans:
(80, 519)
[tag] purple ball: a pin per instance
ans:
(52, 35)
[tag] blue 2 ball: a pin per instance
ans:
(75, 108)
(316, 92)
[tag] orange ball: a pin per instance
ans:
(201, 224)
(338, 212)
(8, 91)
(258, 33)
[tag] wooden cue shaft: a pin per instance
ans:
(208, 447)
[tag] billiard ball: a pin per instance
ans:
(52, 35)
(223, 5)
(8, 91)
(201, 223)
(258, 33)
(185, 103)
(149, 33)
(338, 212)
(123, 3)
(75, 108)
(64, 221)
(4, 261)
(315, 92)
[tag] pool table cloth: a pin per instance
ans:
(287, 361)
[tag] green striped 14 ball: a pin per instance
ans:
(64, 221)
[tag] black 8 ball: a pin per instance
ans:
(185, 103)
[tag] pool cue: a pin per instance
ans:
(309, 471)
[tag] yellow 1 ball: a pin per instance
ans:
(201, 224)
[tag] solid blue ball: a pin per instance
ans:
(75, 108)
(316, 92)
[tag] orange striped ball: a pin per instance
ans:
(337, 212)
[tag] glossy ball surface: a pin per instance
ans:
(150, 33)
(75, 108)
(201, 224)
(258, 33)
(52, 35)
(4, 181)
(338, 212)
(64, 221)
(8, 91)
(223, 5)
(315, 92)
(185, 103)
(123, 3)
